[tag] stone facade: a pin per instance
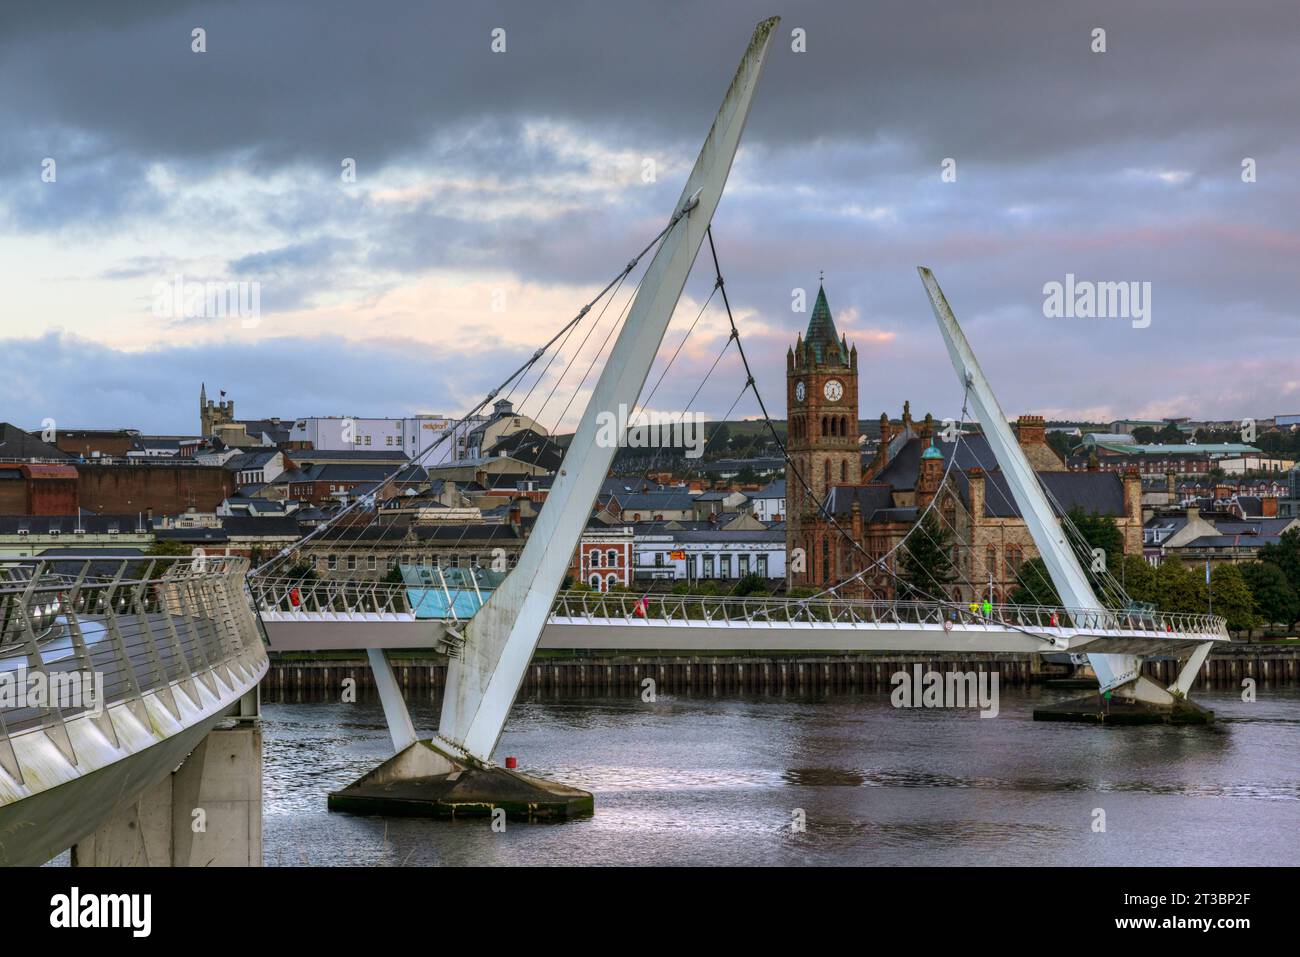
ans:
(822, 437)
(877, 506)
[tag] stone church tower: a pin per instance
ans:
(822, 438)
(213, 414)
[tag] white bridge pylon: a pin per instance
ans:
(499, 641)
(1116, 673)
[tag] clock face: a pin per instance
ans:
(834, 390)
(800, 391)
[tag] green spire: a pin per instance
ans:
(821, 335)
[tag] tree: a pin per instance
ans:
(1059, 442)
(1034, 586)
(1177, 590)
(1285, 555)
(926, 564)
(1099, 531)
(1232, 597)
(748, 584)
(1138, 578)
(1275, 599)
(1171, 435)
(170, 546)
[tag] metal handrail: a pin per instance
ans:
(130, 625)
(391, 599)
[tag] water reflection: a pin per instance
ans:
(714, 780)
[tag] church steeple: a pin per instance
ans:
(821, 337)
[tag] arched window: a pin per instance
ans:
(991, 561)
(844, 471)
(610, 582)
(826, 473)
(823, 425)
(595, 582)
(826, 560)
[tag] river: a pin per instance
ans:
(702, 780)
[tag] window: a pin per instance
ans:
(744, 565)
(595, 582)
(826, 473)
(708, 567)
(826, 561)
(371, 563)
(991, 561)
(611, 558)
(844, 471)
(611, 581)
(595, 559)
(724, 566)
(762, 565)
(659, 559)
(352, 563)
(332, 561)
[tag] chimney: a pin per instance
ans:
(515, 518)
(1268, 507)
(1171, 486)
(976, 477)
(1031, 430)
(1133, 495)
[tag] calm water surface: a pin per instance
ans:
(704, 780)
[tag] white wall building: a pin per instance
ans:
(769, 503)
(410, 435)
(709, 555)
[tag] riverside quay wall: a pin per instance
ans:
(317, 674)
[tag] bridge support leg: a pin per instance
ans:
(1142, 701)
(206, 813)
(398, 717)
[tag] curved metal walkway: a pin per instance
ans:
(111, 671)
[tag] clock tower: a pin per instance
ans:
(822, 439)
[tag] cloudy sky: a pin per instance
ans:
(515, 180)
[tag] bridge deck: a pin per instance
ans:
(355, 615)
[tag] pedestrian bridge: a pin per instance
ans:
(337, 614)
(112, 671)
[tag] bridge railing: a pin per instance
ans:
(335, 595)
(347, 597)
(767, 610)
(78, 634)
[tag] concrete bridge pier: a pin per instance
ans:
(206, 813)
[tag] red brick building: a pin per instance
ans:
(38, 489)
(603, 558)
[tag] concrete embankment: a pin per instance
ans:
(324, 673)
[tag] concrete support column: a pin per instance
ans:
(206, 813)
